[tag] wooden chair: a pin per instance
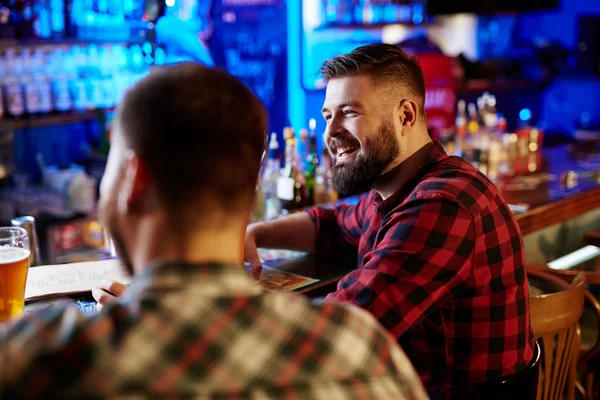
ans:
(523, 385)
(589, 357)
(554, 320)
(591, 368)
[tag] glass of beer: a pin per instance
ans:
(14, 265)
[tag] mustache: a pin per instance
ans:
(336, 143)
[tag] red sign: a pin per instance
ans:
(440, 95)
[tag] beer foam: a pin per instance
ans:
(12, 254)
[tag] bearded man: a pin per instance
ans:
(440, 258)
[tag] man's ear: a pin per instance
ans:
(408, 112)
(136, 182)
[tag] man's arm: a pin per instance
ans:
(425, 254)
(293, 232)
(321, 230)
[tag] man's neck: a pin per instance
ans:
(408, 167)
(158, 241)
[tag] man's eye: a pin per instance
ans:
(349, 112)
(327, 117)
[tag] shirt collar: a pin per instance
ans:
(210, 280)
(435, 155)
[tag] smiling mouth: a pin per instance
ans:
(343, 152)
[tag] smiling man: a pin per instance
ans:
(440, 258)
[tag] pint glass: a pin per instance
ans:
(14, 264)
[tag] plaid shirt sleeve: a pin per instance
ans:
(424, 254)
(338, 228)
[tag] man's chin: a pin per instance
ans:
(349, 187)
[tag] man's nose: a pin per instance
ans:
(331, 131)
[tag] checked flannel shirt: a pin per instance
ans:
(441, 265)
(204, 331)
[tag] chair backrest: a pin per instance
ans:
(554, 320)
(590, 350)
(523, 385)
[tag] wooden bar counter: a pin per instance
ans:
(566, 186)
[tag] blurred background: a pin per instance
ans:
(501, 74)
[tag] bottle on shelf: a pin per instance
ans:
(311, 162)
(474, 144)
(491, 116)
(258, 212)
(482, 104)
(291, 185)
(461, 128)
(270, 179)
(12, 88)
(3, 74)
(325, 191)
(303, 147)
(473, 124)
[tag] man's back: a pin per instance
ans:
(205, 330)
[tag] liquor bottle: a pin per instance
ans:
(303, 148)
(474, 139)
(482, 108)
(320, 189)
(41, 19)
(491, 116)
(258, 212)
(2, 78)
(461, 128)
(13, 91)
(291, 185)
(269, 180)
(311, 162)
(57, 18)
(473, 124)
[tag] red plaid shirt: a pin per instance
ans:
(441, 265)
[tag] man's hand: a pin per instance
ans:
(251, 253)
(107, 293)
(293, 232)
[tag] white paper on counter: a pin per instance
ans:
(62, 279)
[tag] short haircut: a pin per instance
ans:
(200, 131)
(384, 63)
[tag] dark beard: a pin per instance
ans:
(379, 152)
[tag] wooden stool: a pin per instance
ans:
(589, 358)
(554, 320)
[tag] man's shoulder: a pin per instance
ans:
(341, 327)
(300, 310)
(455, 180)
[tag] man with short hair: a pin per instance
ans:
(175, 197)
(440, 256)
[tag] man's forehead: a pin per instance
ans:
(348, 90)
